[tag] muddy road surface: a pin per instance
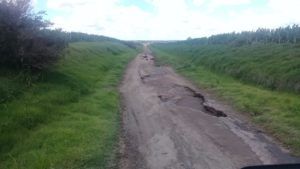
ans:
(170, 124)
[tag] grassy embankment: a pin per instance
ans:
(263, 81)
(67, 117)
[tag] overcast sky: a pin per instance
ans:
(168, 19)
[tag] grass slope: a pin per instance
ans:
(275, 66)
(278, 112)
(69, 116)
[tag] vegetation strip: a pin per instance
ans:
(69, 116)
(266, 57)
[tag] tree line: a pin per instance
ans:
(27, 40)
(288, 34)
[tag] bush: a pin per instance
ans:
(25, 41)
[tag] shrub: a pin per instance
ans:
(25, 41)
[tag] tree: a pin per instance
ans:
(23, 43)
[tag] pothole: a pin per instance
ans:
(195, 94)
(144, 76)
(212, 111)
(164, 98)
(207, 108)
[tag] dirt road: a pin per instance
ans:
(170, 124)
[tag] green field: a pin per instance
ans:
(66, 117)
(274, 66)
(215, 67)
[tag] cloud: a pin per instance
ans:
(63, 4)
(34, 3)
(198, 2)
(90, 15)
(287, 11)
(229, 2)
(176, 19)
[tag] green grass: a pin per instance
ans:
(274, 66)
(67, 117)
(277, 112)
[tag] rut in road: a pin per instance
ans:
(170, 124)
